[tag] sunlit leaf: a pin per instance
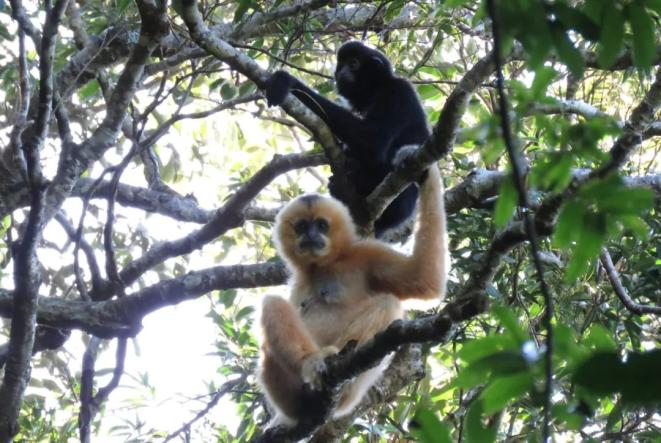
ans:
(503, 390)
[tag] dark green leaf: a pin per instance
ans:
(428, 428)
(506, 202)
(612, 34)
(476, 432)
(575, 19)
(510, 322)
(227, 91)
(644, 43)
(567, 52)
(636, 379)
(654, 5)
(241, 9)
(569, 223)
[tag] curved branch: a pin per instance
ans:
(621, 291)
(438, 144)
(229, 216)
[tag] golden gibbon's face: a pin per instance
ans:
(312, 228)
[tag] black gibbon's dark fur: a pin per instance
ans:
(387, 115)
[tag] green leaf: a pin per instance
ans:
(241, 9)
(644, 43)
(511, 324)
(427, 92)
(612, 34)
(506, 202)
(502, 363)
(654, 5)
(567, 52)
(475, 431)
(636, 379)
(600, 339)
(227, 91)
(122, 5)
(428, 428)
(627, 200)
(591, 237)
(482, 347)
(544, 76)
(503, 390)
(575, 19)
(90, 89)
(571, 217)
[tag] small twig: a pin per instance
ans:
(531, 230)
(283, 61)
(85, 246)
(227, 387)
(621, 291)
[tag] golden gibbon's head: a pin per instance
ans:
(313, 229)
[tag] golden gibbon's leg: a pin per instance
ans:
(290, 356)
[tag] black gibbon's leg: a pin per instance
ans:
(398, 212)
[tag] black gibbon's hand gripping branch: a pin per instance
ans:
(386, 115)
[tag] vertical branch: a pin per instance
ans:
(27, 277)
(87, 411)
(531, 231)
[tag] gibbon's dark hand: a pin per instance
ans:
(403, 162)
(277, 87)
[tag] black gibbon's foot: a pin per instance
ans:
(277, 87)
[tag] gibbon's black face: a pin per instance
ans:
(312, 235)
(360, 72)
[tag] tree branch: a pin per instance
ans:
(351, 362)
(621, 291)
(229, 216)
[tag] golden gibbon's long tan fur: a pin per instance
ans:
(342, 288)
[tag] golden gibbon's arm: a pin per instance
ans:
(423, 274)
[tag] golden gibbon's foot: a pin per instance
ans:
(313, 366)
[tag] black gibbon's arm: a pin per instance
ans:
(349, 128)
(386, 115)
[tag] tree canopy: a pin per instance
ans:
(140, 168)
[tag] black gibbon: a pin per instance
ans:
(342, 288)
(386, 115)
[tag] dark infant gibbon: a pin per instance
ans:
(342, 288)
(385, 115)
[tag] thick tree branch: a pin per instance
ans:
(121, 317)
(437, 145)
(73, 162)
(27, 275)
(229, 216)
(351, 362)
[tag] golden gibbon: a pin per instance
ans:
(343, 288)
